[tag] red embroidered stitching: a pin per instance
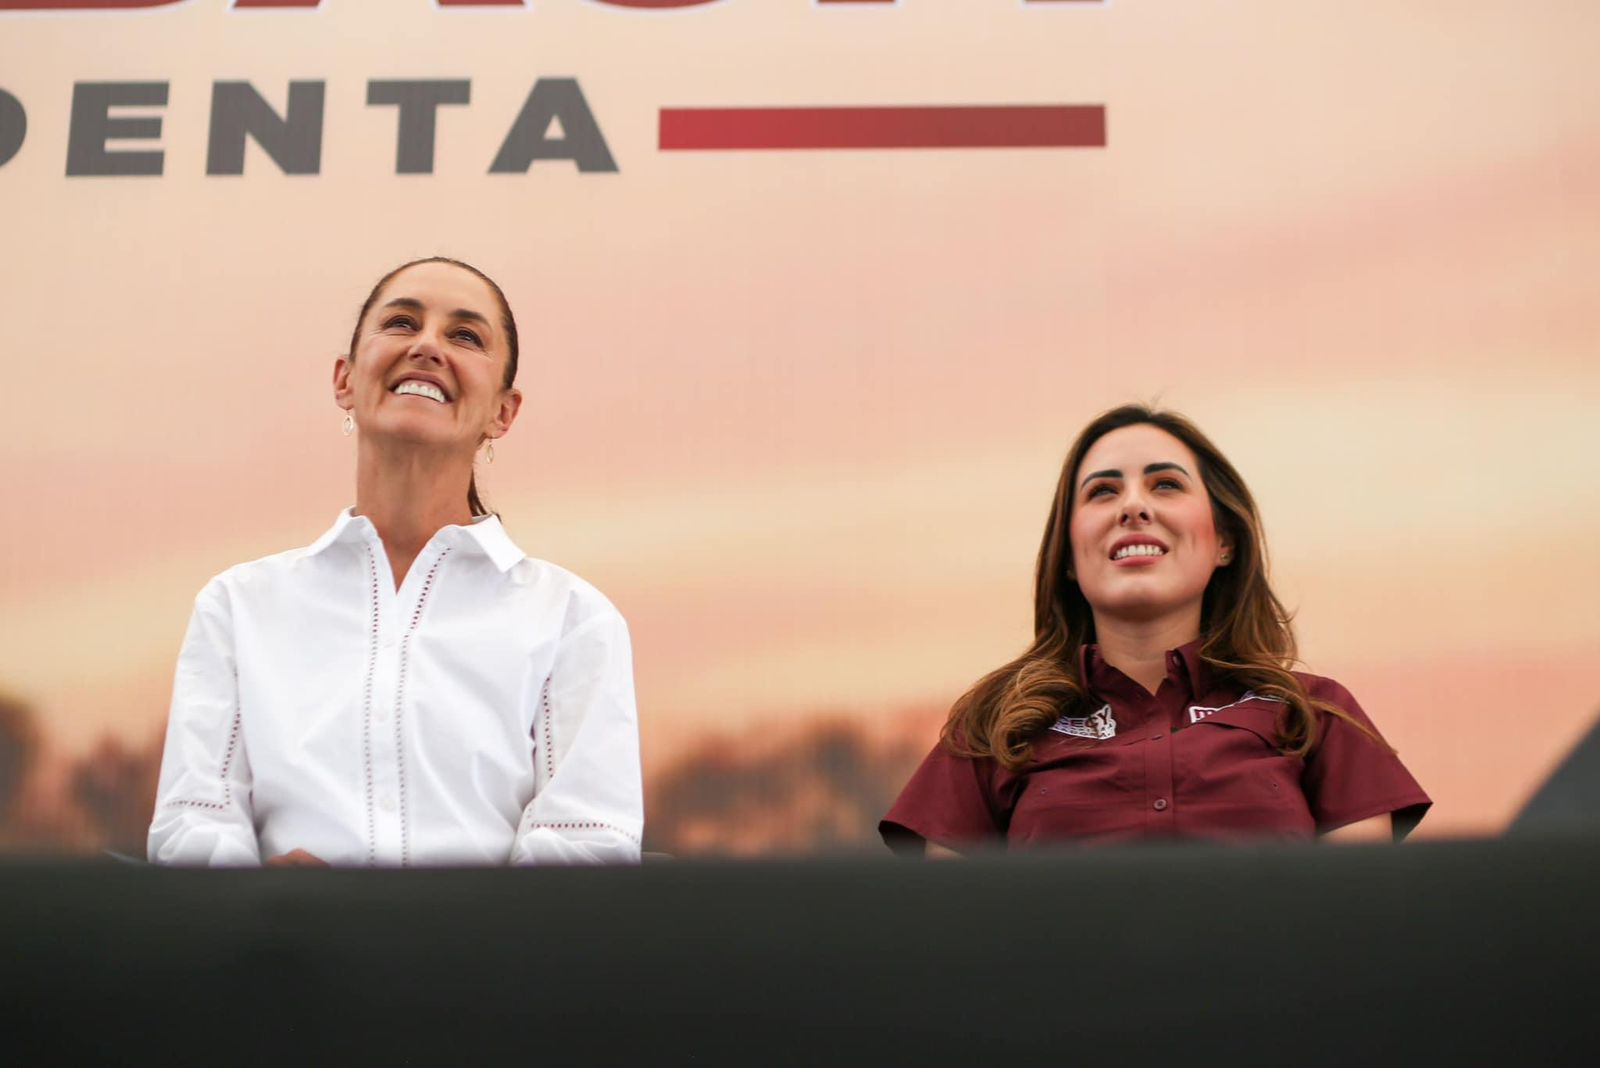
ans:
(399, 708)
(366, 711)
(549, 745)
(227, 762)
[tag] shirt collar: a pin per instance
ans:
(1184, 663)
(345, 528)
(484, 534)
(490, 537)
(1190, 662)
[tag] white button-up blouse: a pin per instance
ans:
(481, 714)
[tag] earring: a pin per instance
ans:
(1225, 558)
(349, 426)
(488, 452)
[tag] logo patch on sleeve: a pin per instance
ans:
(1100, 726)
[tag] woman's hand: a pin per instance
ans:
(296, 858)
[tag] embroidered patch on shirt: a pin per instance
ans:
(1199, 712)
(1099, 726)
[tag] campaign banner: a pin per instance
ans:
(814, 294)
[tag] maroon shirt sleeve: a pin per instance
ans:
(950, 800)
(1350, 776)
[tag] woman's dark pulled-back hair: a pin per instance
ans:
(508, 325)
(1245, 630)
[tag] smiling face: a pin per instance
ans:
(1144, 540)
(429, 363)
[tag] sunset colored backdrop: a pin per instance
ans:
(799, 412)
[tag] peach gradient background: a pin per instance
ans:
(799, 414)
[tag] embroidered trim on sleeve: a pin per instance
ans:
(583, 825)
(227, 763)
(549, 743)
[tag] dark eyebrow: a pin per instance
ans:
(416, 305)
(1109, 473)
(1149, 469)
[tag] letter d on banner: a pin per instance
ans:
(13, 126)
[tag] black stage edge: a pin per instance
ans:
(1456, 953)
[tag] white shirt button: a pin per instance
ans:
(386, 802)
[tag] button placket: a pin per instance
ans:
(383, 755)
(396, 615)
(381, 741)
(420, 582)
(1159, 778)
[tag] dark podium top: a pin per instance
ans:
(1480, 952)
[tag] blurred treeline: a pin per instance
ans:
(98, 802)
(818, 785)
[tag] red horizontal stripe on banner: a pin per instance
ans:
(64, 5)
(1017, 126)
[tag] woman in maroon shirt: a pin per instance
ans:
(1157, 699)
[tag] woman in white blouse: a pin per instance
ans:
(410, 688)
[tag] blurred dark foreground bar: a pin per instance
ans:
(1482, 952)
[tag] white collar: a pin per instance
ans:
(484, 534)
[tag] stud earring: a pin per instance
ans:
(349, 426)
(1225, 558)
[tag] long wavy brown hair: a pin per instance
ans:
(1245, 630)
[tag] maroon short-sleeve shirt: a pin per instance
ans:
(1197, 759)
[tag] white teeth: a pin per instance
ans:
(1138, 550)
(421, 389)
